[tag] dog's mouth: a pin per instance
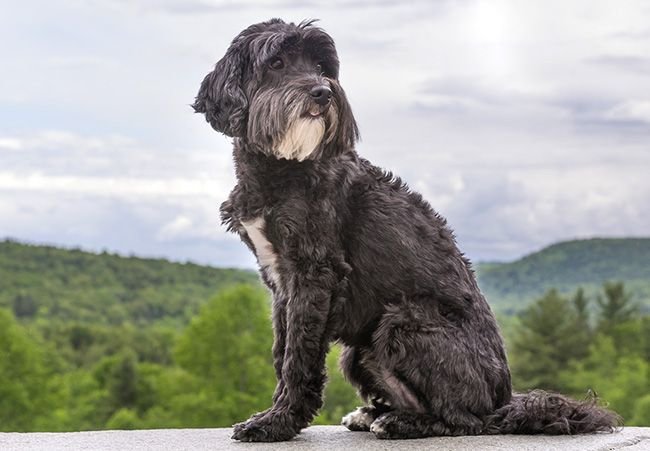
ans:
(315, 112)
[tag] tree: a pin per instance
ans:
(24, 306)
(580, 304)
(582, 333)
(542, 343)
(642, 412)
(23, 378)
(124, 419)
(228, 345)
(616, 307)
(618, 317)
(618, 379)
(123, 380)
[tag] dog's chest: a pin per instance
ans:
(266, 255)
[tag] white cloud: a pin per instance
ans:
(10, 144)
(631, 110)
(113, 186)
(521, 124)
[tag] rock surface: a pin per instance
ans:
(329, 438)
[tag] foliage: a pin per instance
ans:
(23, 391)
(228, 346)
(48, 283)
(510, 287)
(340, 397)
(546, 352)
(543, 344)
(100, 341)
(615, 307)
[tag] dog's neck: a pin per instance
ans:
(264, 181)
(253, 164)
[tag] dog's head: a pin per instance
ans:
(277, 89)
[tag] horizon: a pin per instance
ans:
(522, 124)
(254, 268)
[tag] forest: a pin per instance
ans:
(100, 341)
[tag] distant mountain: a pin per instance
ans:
(567, 266)
(73, 285)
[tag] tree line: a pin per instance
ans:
(218, 369)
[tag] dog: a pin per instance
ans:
(351, 254)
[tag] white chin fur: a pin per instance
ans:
(301, 139)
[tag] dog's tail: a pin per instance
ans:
(540, 412)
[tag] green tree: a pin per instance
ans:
(123, 381)
(641, 415)
(542, 343)
(24, 306)
(23, 377)
(618, 379)
(616, 307)
(228, 346)
(84, 404)
(124, 419)
(582, 333)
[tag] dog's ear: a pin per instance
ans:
(347, 133)
(221, 97)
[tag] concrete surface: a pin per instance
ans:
(329, 438)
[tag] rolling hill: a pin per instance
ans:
(71, 285)
(566, 266)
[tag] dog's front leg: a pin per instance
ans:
(279, 340)
(302, 374)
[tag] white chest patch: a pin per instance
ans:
(301, 139)
(266, 256)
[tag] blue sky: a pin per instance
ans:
(523, 123)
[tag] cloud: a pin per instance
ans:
(128, 226)
(635, 64)
(520, 125)
(635, 111)
(9, 144)
(67, 159)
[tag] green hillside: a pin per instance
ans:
(566, 266)
(75, 286)
(99, 341)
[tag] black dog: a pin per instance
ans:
(351, 254)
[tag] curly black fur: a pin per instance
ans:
(350, 253)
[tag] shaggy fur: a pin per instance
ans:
(351, 254)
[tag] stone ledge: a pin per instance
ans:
(329, 438)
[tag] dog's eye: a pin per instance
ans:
(319, 68)
(276, 63)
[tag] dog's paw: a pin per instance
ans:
(386, 427)
(272, 427)
(359, 420)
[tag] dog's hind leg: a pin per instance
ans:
(368, 388)
(398, 424)
(431, 374)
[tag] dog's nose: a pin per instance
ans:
(321, 94)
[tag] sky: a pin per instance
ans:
(523, 123)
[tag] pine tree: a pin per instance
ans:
(582, 333)
(543, 343)
(123, 380)
(618, 317)
(616, 307)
